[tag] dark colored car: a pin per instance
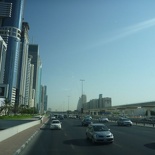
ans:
(88, 116)
(60, 117)
(86, 122)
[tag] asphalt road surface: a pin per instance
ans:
(71, 140)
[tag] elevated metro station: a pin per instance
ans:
(135, 110)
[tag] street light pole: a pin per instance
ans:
(68, 104)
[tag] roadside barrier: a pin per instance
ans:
(4, 134)
(145, 124)
(134, 121)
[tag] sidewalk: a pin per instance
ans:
(13, 144)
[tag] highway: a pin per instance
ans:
(71, 140)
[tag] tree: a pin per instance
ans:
(7, 106)
(24, 109)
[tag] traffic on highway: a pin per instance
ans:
(72, 139)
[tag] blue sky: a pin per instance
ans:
(108, 43)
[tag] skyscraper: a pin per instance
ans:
(36, 61)
(3, 49)
(44, 97)
(11, 17)
(23, 67)
(20, 62)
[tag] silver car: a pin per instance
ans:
(99, 133)
(103, 120)
(124, 122)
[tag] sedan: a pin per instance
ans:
(88, 117)
(99, 133)
(55, 124)
(124, 122)
(86, 122)
(103, 120)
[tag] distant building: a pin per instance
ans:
(97, 104)
(43, 105)
(45, 98)
(81, 102)
(104, 102)
(36, 61)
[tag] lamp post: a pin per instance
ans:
(82, 94)
(68, 104)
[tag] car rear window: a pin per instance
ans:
(55, 122)
(100, 128)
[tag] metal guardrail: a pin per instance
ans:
(135, 121)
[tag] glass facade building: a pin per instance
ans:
(20, 62)
(3, 48)
(23, 67)
(11, 17)
(36, 61)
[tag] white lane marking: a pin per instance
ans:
(117, 145)
(120, 132)
(72, 146)
(42, 126)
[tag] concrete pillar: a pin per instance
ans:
(148, 112)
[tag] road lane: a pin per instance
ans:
(71, 140)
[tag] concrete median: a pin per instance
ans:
(4, 134)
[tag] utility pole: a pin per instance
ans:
(68, 104)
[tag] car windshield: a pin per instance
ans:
(55, 122)
(100, 128)
(125, 119)
(103, 118)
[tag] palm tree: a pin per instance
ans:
(7, 106)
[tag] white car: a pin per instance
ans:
(53, 117)
(55, 124)
(124, 122)
(103, 119)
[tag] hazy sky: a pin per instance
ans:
(108, 43)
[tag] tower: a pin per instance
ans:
(11, 16)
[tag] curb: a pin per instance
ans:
(24, 145)
(28, 141)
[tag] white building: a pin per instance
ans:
(3, 48)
